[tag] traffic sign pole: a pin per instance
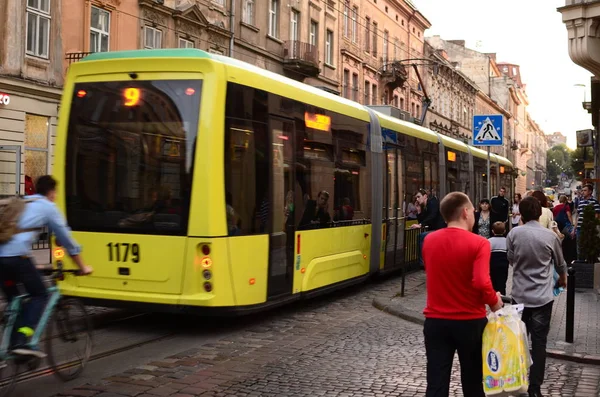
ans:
(489, 170)
(488, 130)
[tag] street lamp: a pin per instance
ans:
(584, 90)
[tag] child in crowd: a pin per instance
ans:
(499, 259)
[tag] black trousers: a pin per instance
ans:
(18, 270)
(442, 339)
(537, 321)
(499, 275)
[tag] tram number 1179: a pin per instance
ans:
(121, 252)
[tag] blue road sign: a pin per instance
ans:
(488, 130)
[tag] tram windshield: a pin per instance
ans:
(129, 159)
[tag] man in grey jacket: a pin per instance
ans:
(535, 252)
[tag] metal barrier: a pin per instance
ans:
(570, 326)
(412, 252)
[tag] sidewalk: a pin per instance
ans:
(586, 346)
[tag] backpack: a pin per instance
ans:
(561, 218)
(10, 212)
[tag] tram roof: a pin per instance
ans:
(324, 99)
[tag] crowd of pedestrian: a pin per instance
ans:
(530, 234)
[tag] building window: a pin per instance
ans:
(329, 48)
(152, 37)
(375, 39)
(346, 21)
(385, 48)
(99, 30)
(418, 115)
(395, 50)
(294, 23)
(314, 33)
(367, 34)
(248, 16)
(38, 28)
(354, 24)
(374, 97)
(36, 145)
(183, 43)
(367, 92)
(402, 103)
(355, 87)
(396, 100)
(273, 19)
(346, 83)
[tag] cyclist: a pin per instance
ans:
(16, 265)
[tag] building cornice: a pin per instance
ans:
(583, 26)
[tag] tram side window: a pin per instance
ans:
(246, 161)
(352, 201)
(414, 170)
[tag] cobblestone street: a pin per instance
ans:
(334, 346)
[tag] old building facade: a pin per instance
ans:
(556, 138)
(501, 91)
(453, 97)
(30, 80)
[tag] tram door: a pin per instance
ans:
(393, 213)
(282, 208)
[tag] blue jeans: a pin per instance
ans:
(421, 240)
(19, 270)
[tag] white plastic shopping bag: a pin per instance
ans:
(505, 353)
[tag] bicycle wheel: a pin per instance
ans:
(69, 339)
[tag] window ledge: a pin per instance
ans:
(275, 39)
(38, 62)
(330, 66)
(249, 26)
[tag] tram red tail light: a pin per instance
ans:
(205, 249)
(207, 287)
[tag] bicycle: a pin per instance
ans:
(60, 324)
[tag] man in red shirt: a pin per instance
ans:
(457, 263)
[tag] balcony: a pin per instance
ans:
(300, 59)
(76, 56)
(393, 74)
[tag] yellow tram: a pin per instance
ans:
(199, 183)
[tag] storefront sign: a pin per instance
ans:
(4, 99)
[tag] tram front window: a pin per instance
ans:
(129, 160)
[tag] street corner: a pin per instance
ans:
(395, 308)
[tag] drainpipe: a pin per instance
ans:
(231, 26)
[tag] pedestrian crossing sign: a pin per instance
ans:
(488, 130)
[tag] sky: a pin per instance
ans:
(539, 46)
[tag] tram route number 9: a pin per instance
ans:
(121, 252)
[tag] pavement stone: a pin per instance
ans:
(333, 346)
(586, 346)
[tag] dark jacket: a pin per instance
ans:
(500, 207)
(430, 216)
(476, 225)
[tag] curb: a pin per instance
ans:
(418, 318)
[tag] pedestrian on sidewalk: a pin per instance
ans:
(499, 260)
(458, 288)
(535, 252)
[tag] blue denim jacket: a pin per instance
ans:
(38, 214)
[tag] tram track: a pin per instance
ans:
(104, 321)
(42, 372)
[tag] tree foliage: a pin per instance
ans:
(589, 236)
(578, 160)
(558, 160)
